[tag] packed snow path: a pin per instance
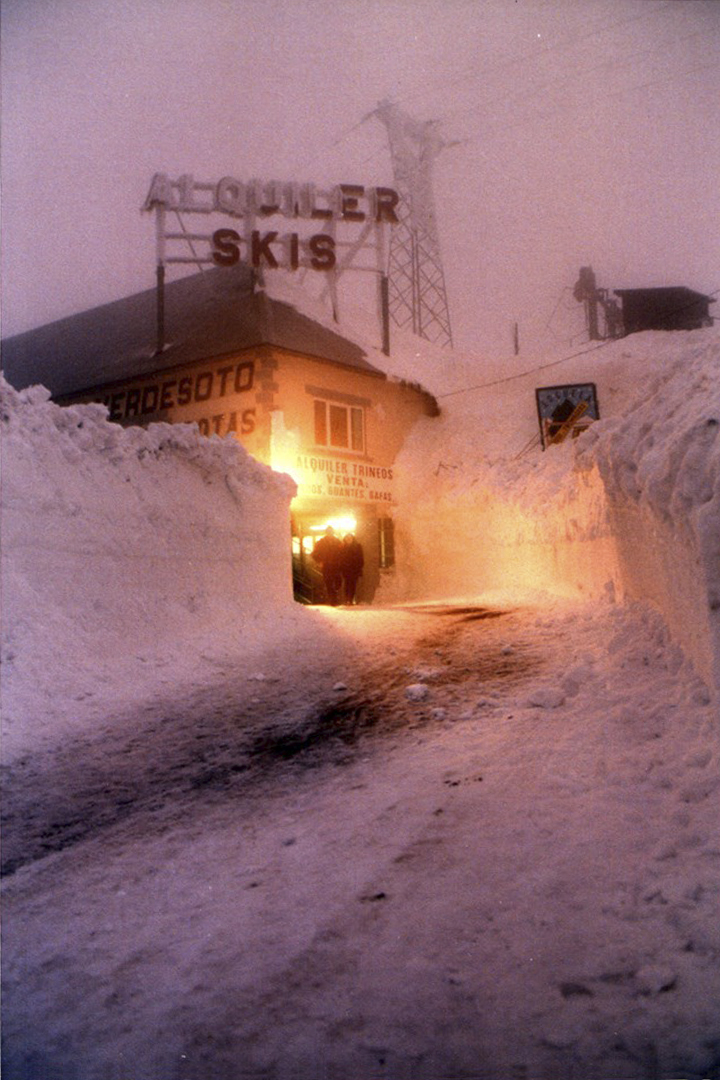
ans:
(472, 842)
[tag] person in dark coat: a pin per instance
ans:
(351, 565)
(328, 553)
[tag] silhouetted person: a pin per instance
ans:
(328, 553)
(351, 565)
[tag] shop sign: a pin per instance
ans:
(249, 202)
(161, 395)
(565, 410)
(330, 478)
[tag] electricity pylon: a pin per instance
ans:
(417, 293)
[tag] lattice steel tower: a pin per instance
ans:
(417, 293)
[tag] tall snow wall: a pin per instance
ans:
(121, 542)
(660, 467)
(631, 509)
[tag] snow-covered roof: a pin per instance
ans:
(211, 314)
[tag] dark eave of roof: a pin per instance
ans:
(665, 290)
(208, 315)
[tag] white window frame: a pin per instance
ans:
(349, 410)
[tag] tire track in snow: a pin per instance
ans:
(203, 749)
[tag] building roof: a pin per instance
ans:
(673, 307)
(668, 292)
(207, 315)
(665, 295)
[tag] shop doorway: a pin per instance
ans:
(307, 580)
(309, 526)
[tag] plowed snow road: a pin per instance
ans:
(205, 745)
(469, 842)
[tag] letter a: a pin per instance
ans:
(159, 193)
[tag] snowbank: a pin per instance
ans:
(660, 466)
(128, 546)
(140, 550)
(631, 508)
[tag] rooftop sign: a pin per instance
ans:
(249, 203)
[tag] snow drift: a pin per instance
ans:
(128, 543)
(144, 545)
(629, 509)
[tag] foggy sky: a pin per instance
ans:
(588, 135)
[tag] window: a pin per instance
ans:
(339, 426)
(386, 538)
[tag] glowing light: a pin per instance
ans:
(286, 463)
(346, 524)
(307, 543)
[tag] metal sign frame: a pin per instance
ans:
(331, 229)
(332, 215)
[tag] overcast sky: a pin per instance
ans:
(588, 133)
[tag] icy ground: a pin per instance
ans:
(477, 839)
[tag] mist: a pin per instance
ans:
(578, 135)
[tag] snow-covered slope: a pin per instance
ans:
(125, 551)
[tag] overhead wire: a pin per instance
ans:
(522, 374)
(552, 314)
(538, 53)
(513, 61)
(613, 65)
(605, 97)
(553, 363)
(563, 46)
(336, 141)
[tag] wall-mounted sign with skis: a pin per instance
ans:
(565, 410)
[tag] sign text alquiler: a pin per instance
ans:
(349, 203)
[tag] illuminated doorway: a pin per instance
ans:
(372, 533)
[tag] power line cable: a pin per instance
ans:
(513, 61)
(581, 73)
(335, 142)
(522, 374)
(531, 56)
(593, 104)
(560, 46)
(553, 363)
